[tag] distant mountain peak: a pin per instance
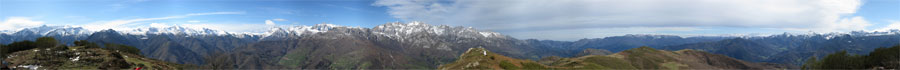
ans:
(288, 31)
(51, 30)
(396, 29)
(176, 30)
(651, 36)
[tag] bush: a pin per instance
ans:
(19, 46)
(123, 48)
(86, 44)
(46, 42)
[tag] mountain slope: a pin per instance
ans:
(620, 43)
(637, 58)
(738, 48)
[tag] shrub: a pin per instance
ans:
(86, 44)
(46, 42)
(123, 48)
(19, 46)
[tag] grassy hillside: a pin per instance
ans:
(45, 53)
(637, 58)
(83, 58)
(480, 58)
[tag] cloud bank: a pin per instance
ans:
(13, 23)
(512, 16)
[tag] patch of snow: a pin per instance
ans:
(32, 67)
(76, 58)
(829, 37)
(486, 34)
(484, 52)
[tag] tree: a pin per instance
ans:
(881, 58)
(86, 44)
(841, 60)
(811, 63)
(123, 48)
(219, 61)
(14, 47)
(889, 58)
(2, 53)
(19, 46)
(46, 42)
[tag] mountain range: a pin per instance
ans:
(417, 45)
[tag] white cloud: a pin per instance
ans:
(194, 21)
(848, 24)
(278, 19)
(531, 15)
(13, 23)
(893, 25)
(117, 24)
(160, 25)
(270, 23)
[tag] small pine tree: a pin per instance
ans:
(46, 42)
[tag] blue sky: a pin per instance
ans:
(537, 19)
(350, 13)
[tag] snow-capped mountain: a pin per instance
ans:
(395, 30)
(398, 29)
(282, 32)
(827, 36)
(52, 30)
(64, 33)
(176, 30)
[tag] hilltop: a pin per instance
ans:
(80, 57)
(48, 53)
